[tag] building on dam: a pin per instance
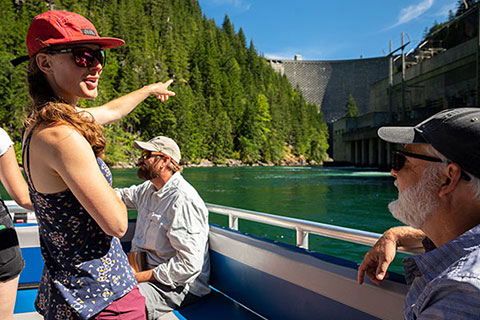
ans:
(398, 89)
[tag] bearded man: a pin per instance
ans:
(171, 232)
(438, 179)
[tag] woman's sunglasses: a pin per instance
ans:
(82, 56)
(399, 158)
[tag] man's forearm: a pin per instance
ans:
(405, 236)
(179, 270)
(145, 276)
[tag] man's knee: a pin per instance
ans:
(155, 301)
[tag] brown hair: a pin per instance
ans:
(49, 109)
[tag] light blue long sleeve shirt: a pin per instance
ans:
(172, 227)
(445, 282)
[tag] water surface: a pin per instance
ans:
(346, 197)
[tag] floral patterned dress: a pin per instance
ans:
(85, 269)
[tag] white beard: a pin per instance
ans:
(416, 203)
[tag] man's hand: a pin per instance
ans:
(378, 258)
(145, 276)
(376, 261)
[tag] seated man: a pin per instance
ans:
(438, 178)
(172, 230)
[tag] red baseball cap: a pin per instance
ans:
(63, 27)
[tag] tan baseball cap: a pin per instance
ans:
(161, 144)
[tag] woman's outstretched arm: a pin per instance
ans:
(116, 109)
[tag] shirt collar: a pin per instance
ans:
(432, 263)
(170, 183)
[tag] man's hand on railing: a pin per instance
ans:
(378, 258)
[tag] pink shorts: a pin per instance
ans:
(129, 307)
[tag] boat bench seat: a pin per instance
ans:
(215, 305)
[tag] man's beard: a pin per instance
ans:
(147, 171)
(416, 203)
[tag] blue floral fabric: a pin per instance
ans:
(85, 269)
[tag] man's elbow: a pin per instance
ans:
(192, 270)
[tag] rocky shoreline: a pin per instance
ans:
(288, 162)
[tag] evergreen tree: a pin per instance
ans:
(229, 102)
(451, 16)
(255, 131)
(352, 108)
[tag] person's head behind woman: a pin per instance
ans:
(66, 57)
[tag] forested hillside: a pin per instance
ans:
(229, 103)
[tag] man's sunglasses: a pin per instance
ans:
(399, 158)
(148, 154)
(82, 56)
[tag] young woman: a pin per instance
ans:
(11, 261)
(80, 218)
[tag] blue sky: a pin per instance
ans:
(329, 30)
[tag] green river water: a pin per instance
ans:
(348, 197)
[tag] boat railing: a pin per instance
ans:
(302, 227)
(20, 214)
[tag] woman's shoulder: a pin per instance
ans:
(59, 143)
(59, 135)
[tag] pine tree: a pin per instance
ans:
(229, 102)
(352, 108)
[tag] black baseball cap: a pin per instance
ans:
(455, 133)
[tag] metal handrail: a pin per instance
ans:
(19, 213)
(303, 227)
(13, 207)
